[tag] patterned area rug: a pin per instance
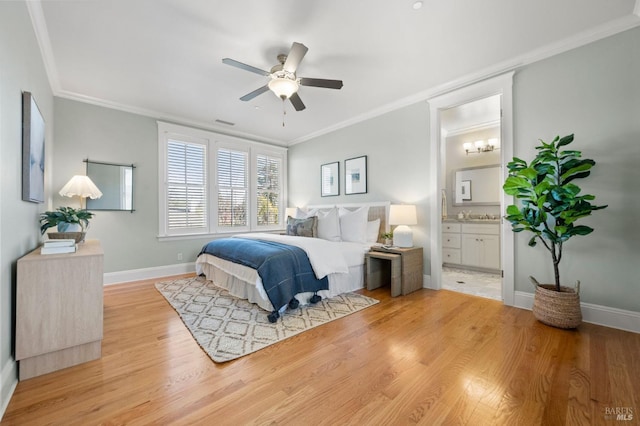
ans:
(228, 328)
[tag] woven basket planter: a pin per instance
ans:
(78, 236)
(559, 309)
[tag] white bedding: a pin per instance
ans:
(342, 262)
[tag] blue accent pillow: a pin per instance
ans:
(302, 227)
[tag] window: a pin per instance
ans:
(232, 188)
(212, 183)
(186, 186)
(268, 196)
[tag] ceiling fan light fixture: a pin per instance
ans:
(283, 87)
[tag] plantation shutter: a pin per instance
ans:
(186, 186)
(268, 194)
(232, 188)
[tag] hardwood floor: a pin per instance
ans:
(426, 358)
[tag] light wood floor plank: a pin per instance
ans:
(425, 358)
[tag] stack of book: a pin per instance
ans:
(58, 246)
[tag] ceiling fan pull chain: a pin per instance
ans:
(284, 111)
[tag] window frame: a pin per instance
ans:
(258, 151)
(213, 142)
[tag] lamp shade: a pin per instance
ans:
(402, 214)
(81, 186)
(290, 211)
(283, 87)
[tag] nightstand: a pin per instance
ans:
(402, 267)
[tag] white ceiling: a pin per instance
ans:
(163, 58)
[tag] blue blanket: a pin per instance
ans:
(285, 270)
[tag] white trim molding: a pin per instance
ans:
(594, 34)
(502, 85)
(44, 41)
(594, 314)
(8, 383)
(608, 29)
(148, 273)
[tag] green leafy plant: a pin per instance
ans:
(387, 235)
(64, 215)
(551, 203)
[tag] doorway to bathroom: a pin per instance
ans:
(471, 185)
(471, 134)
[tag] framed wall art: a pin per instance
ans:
(355, 175)
(329, 179)
(465, 190)
(32, 150)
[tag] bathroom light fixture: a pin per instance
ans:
(402, 215)
(417, 5)
(480, 146)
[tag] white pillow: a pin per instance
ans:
(373, 229)
(328, 224)
(353, 224)
(301, 214)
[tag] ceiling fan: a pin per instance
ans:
(283, 80)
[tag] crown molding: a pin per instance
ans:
(157, 115)
(475, 128)
(611, 28)
(42, 36)
(578, 40)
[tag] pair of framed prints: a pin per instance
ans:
(355, 177)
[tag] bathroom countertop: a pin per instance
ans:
(474, 220)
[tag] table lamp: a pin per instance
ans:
(81, 186)
(402, 215)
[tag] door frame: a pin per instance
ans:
(500, 85)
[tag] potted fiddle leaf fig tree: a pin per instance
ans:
(551, 203)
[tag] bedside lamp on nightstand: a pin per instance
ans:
(402, 215)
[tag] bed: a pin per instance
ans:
(335, 243)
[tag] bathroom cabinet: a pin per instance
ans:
(473, 245)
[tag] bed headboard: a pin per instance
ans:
(377, 210)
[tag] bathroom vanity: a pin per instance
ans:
(473, 244)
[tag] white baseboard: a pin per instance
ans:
(8, 383)
(426, 281)
(594, 314)
(148, 273)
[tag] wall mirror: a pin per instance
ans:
(116, 183)
(478, 186)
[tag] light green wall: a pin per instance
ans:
(21, 69)
(397, 150)
(129, 239)
(594, 92)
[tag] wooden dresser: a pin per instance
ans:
(59, 309)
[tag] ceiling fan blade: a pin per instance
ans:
(297, 102)
(255, 93)
(321, 82)
(297, 52)
(245, 67)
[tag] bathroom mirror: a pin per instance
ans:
(478, 186)
(116, 183)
